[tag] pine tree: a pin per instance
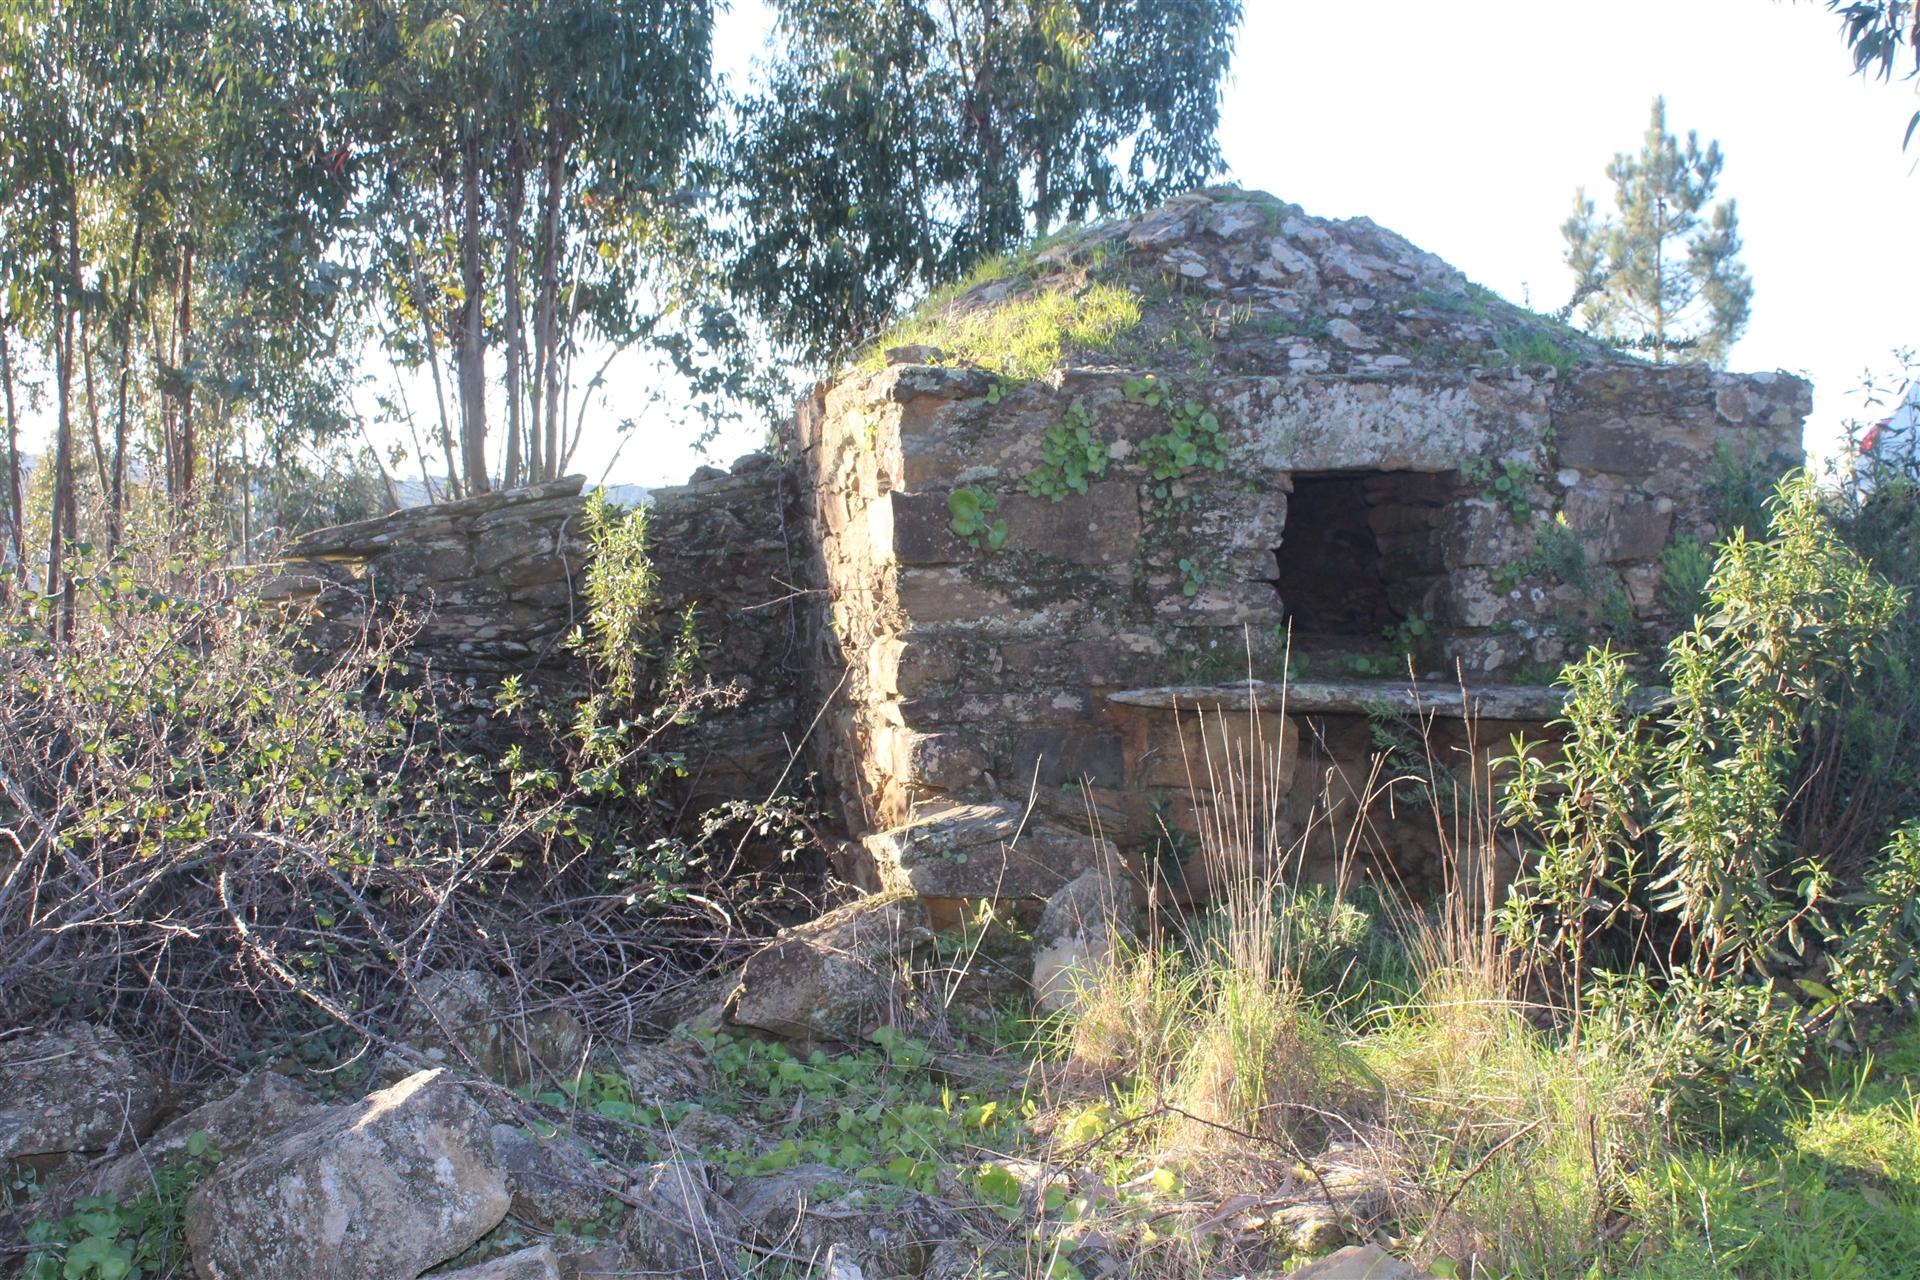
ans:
(1663, 273)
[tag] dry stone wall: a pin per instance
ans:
(1300, 449)
(1480, 511)
(493, 584)
(491, 580)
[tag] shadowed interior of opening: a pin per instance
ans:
(1359, 554)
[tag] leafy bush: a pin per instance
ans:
(103, 1238)
(1665, 838)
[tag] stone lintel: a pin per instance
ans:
(1518, 702)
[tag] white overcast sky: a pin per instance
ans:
(1466, 127)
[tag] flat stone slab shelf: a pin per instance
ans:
(1524, 702)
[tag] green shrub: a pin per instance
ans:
(103, 1238)
(1664, 840)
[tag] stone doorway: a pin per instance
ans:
(1360, 554)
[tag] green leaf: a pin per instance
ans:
(994, 1184)
(100, 1257)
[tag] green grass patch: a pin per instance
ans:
(1021, 337)
(1834, 1196)
(1535, 346)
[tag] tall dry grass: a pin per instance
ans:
(1501, 1130)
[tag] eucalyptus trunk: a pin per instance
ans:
(473, 329)
(516, 203)
(547, 308)
(16, 521)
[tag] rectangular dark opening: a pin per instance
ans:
(1359, 554)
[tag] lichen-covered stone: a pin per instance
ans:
(1359, 1262)
(464, 1019)
(834, 978)
(72, 1087)
(551, 1180)
(816, 1212)
(980, 851)
(672, 1070)
(538, 1263)
(388, 1186)
(232, 1124)
(674, 1227)
(1078, 936)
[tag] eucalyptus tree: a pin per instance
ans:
(530, 176)
(46, 152)
(1884, 36)
(168, 211)
(898, 142)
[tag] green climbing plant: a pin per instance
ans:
(1507, 487)
(970, 515)
(1069, 457)
(1192, 441)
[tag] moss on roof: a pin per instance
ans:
(1231, 281)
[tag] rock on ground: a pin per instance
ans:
(72, 1087)
(1359, 1262)
(673, 1219)
(260, 1106)
(812, 1210)
(537, 1263)
(465, 1014)
(838, 1266)
(835, 978)
(550, 1182)
(1077, 936)
(386, 1187)
(1096, 899)
(659, 1072)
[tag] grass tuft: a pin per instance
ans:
(1022, 336)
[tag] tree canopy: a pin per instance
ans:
(898, 142)
(216, 212)
(1662, 273)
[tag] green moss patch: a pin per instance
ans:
(1022, 337)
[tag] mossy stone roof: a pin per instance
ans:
(1232, 282)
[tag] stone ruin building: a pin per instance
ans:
(1222, 455)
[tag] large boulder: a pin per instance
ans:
(835, 978)
(72, 1087)
(233, 1124)
(386, 1187)
(464, 1016)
